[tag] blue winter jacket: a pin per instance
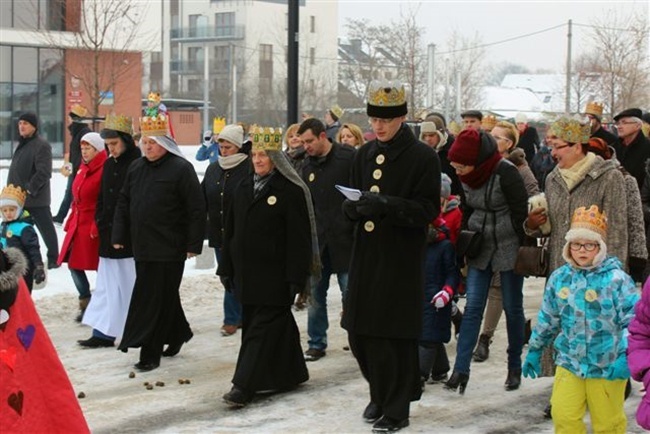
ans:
(590, 309)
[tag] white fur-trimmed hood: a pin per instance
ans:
(17, 269)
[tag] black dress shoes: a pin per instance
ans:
(513, 381)
(172, 350)
(388, 424)
(146, 366)
(237, 397)
(95, 342)
(372, 412)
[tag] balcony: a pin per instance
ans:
(189, 67)
(207, 33)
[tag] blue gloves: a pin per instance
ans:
(532, 367)
(619, 370)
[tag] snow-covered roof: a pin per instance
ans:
(538, 83)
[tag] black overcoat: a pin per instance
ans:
(267, 244)
(634, 156)
(321, 174)
(113, 176)
(31, 169)
(161, 206)
(529, 142)
(609, 138)
(386, 277)
(218, 187)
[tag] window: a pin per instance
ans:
(221, 58)
(194, 25)
(224, 24)
(266, 69)
(312, 24)
(312, 56)
(195, 58)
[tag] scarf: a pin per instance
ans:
(259, 182)
(574, 175)
(231, 161)
(481, 173)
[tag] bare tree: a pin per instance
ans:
(497, 72)
(621, 50)
(585, 86)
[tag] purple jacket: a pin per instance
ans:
(638, 352)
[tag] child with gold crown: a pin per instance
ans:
(17, 230)
(587, 307)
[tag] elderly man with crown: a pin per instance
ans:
(594, 111)
(269, 254)
(109, 304)
(399, 177)
(161, 211)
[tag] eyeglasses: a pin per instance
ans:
(589, 247)
(619, 123)
(380, 121)
(458, 167)
(557, 148)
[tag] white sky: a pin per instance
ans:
(495, 21)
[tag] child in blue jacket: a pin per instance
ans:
(588, 304)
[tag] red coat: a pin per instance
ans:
(81, 245)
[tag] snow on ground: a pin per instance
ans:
(331, 401)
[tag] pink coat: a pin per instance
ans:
(638, 352)
(81, 244)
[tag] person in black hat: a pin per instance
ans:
(31, 170)
(399, 177)
(633, 148)
(472, 119)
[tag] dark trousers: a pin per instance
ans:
(391, 367)
(43, 219)
(66, 201)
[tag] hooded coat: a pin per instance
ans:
(638, 352)
(80, 247)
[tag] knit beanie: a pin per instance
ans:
(465, 149)
(427, 128)
(232, 133)
(445, 186)
(29, 117)
(95, 140)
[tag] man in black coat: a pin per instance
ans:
(31, 169)
(528, 137)
(72, 157)
(328, 164)
(161, 207)
(400, 180)
(633, 149)
(594, 111)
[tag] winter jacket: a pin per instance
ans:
(602, 186)
(638, 352)
(440, 269)
(529, 142)
(589, 312)
(332, 130)
(445, 167)
(21, 234)
(386, 277)
(502, 203)
(267, 243)
(321, 174)
(208, 152)
(634, 156)
(608, 137)
(218, 188)
(113, 177)
(518, 158)
(80, 247)
(541, 165)
(636, 227)
(162, 208)
(77, 131)
(31, 169)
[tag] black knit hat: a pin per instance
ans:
(29, 117)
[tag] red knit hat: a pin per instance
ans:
(466, 147)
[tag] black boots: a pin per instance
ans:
(238, 397)
(372, 412)
(95, 342)
(457, 381)
(388, 424)
(513, 381)
(482, 351)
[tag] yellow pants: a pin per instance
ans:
(572, 395)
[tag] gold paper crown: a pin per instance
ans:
(571, 130)
(594, 108)
(489, 122)
(337, 110)
(590, 219)
(154, 97)
(120, 123)
(154, 126)
(79, 110)
(218, 124)
(267, 139)
(386, 95)
(15, 193)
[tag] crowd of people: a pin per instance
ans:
(409, 221)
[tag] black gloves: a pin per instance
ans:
(39, 274)
(350, 209)
(372, 204)
(226, 281)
